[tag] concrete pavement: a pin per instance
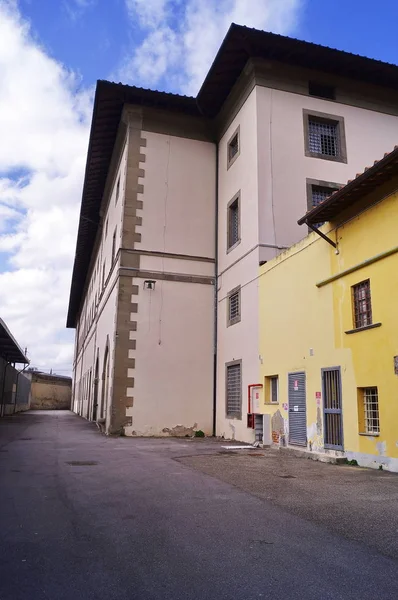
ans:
(88, 517)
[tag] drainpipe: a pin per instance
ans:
(215, 305)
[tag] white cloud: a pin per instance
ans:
(147, 14)
(44, 122)
(76, 8)
(182, 39)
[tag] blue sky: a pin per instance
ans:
(92, 40)
(51, 54)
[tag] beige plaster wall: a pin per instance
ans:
(179, 196)
(170, 384)
(173, 375)
(96, 324)
(50, 393)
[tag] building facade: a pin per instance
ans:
(329, 331)
(183, 199)
(14, 384)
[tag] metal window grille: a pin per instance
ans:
(371, 410)
(233, 223)
(234, 391)
(274, 389)
(323, 137)
(113, 246)
(319, 194)
(117, 190)
(233, 147)
(362, 304)
(234, 305)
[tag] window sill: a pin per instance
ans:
(230, 248)
(340, 159)
(271, 403)
(231, 161)
(358, 329)
(370, 434)
(234, 321)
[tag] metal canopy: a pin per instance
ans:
(9, 349)
(357, 189)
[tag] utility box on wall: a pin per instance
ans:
(267, 433)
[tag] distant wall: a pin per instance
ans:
(50, 392)
(14, 390)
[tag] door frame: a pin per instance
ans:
(332, 411)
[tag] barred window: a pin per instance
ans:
(323, 137)
(371, 410)
(233, 223)
(234, 390)
(233, 147)
(234, 306)
(362, 304)
(114, 245)
(117, 190)
(319, 194)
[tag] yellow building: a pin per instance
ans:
(329, 326)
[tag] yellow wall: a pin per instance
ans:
(302, 328)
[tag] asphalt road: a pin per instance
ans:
(83, 516)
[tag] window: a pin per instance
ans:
(114, 245)
(233, 308)
(233, 217)
(319, 194)
(233, 148)
(324, 136)
(318, 191)
(103, 274)
(234, 390)
(274, 390)
(362, 304)
(321, 90)
(117, 190)
(369, 421)
(271, 387)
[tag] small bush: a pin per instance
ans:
(352, 463)
(199, 433)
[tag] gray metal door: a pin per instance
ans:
(297, 409)
(332, 408)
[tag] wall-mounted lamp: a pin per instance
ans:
(149, 284)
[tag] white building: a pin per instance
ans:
(182, 193)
